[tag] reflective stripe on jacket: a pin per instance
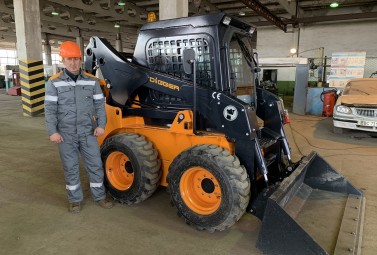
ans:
(74, 107)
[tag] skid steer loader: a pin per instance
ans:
(186, 112)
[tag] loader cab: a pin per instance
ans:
(223, 47)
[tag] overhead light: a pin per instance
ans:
(242, 13)
(293, 50)
(117, 25)
(121, 3)
(54, 12)
(334, 4)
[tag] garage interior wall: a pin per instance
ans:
(334, 37)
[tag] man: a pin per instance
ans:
(75, 116)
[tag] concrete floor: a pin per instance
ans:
(33, 206)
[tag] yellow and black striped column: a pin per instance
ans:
(32, 86)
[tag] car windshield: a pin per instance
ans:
(361, 87)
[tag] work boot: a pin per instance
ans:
(74, 207)
(105, 203)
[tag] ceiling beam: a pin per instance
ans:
(147, 3)
(100, 26)
(265, 13)
(132, 19)
(58, 25)
(339, 17)
(226, 6)
(290, 6)
(62, 33)
(362, 16)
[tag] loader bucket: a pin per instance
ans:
(313, 211)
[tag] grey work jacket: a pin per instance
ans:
(70, 106)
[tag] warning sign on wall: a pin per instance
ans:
(346, 66)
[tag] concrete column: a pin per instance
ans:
(118, 43)
(170, 9)
(28, 29)
(47, 51)
(29, 51)
(80, 42)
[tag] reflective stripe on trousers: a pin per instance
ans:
(69, 150)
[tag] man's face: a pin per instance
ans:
(72, 64)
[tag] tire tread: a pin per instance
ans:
(237, 177)
(148, 160)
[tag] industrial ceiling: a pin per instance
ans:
(98, 17)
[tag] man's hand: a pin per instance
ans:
(99, 131)
(56, 138)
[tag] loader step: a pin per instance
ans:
(266, 142)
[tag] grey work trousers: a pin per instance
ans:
(70, 150)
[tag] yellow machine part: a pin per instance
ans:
(169, 141)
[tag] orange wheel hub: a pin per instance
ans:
(119, 171)
(200, 190)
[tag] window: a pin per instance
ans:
(55, 58)
(8, 57)
(240, 52)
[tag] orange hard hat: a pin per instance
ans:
(70, 49)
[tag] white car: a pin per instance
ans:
(356, 108)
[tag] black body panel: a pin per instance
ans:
(155, 81)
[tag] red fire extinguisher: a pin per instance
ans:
(328, 98)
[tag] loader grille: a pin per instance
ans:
(366, 112)
(165, 55)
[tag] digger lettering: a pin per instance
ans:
(164, 83)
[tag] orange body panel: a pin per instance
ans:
(168, 141)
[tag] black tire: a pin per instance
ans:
(132, 167)
(233, 185)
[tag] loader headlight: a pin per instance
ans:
(227, 20)
(343, 109)
(251, 30)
